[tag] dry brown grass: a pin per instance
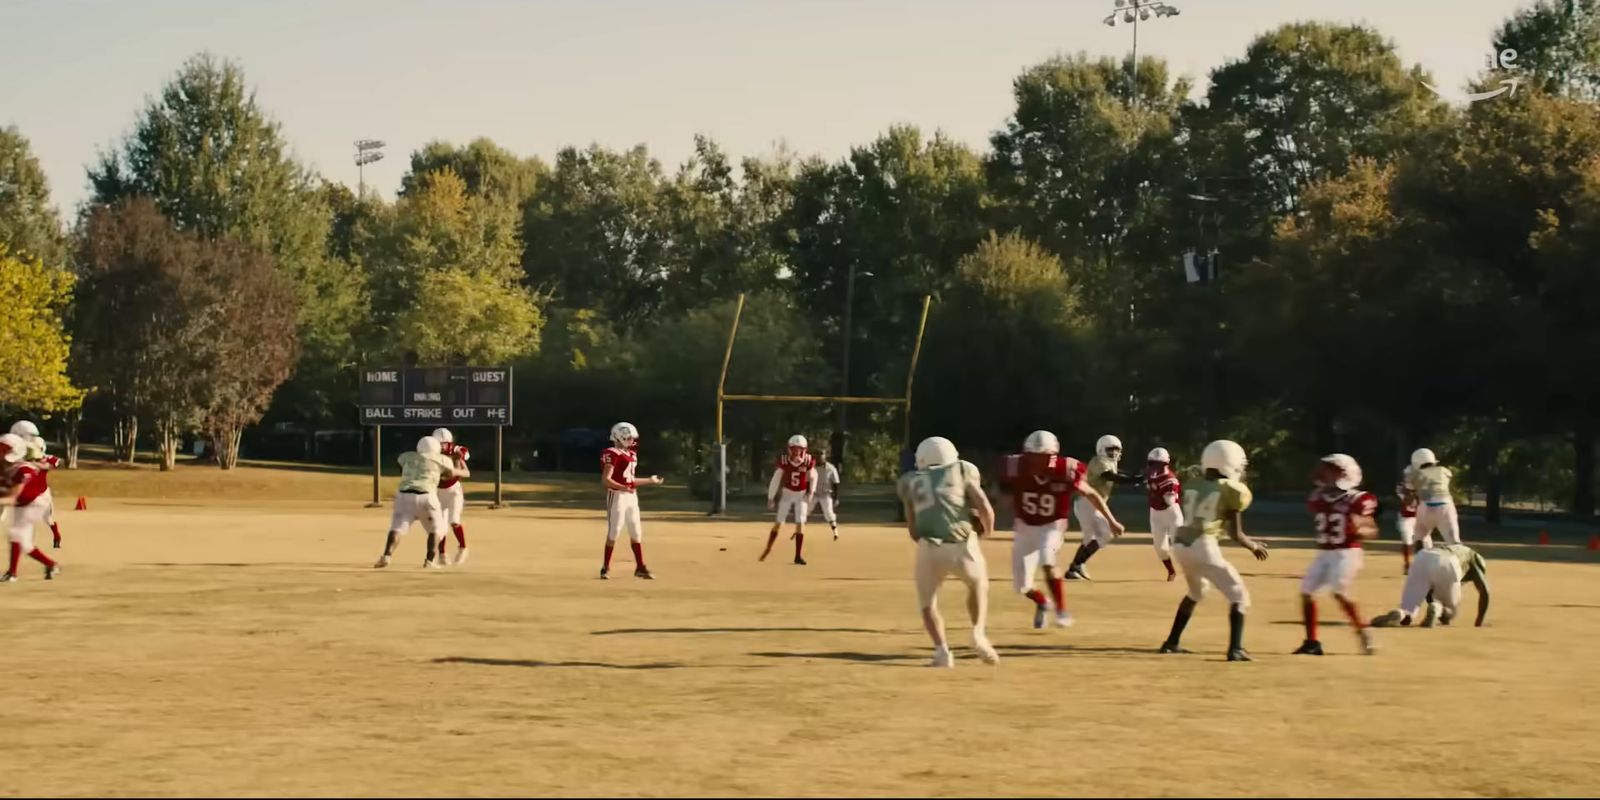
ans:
(224, 634)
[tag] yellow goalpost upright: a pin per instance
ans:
(720, 471)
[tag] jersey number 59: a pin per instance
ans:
(1039, 504)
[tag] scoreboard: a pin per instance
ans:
(435, 396)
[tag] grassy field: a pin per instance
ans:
(224, 634)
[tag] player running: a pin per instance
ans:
(1162, 490)
(617, 464)
(1437, 574)
(417, 499)
(1042, 484)
(36, 454)
(940, 497)
(452, 495)
(826, 498)
(1215, 504)
(1430, 482)
(1103, 477)
(1343, 516)
(24, 486)
(1406, 523)
(790, 492)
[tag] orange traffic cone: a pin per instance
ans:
(1544, 537)
(83, 503)
(1594, 543)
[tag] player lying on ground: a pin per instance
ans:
(617, 464)
(1436, 575)
(1103, 477)
(790, 492)
(418, 498)
(24, 485)
(1342, 515)
(1042, 484)
(940, 497)
(1214, 505)
(452, 494)
(1162, 490)
(1430, 482)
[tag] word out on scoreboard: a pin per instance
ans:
(444, 396)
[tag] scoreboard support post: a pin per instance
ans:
(377, 464)
(499, 462)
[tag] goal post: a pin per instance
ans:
(719, 501)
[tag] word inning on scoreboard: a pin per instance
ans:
(446, 396)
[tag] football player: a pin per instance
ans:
(1342, 515)
(1103, 477)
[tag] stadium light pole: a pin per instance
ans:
(1132, 12)
(368, 151)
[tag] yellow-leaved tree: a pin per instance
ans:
(33, 342)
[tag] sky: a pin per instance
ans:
(537, 75)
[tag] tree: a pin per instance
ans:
(33, 342)
(1558, 46)
(488, 170)
(216, 164)
(29, 225)
(446, 276)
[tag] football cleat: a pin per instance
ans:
(1389, 620)
(986, 651)
(7, 578)
(1239, 655)
(942, 658)
(461, 557)
(1368, 646)
(1063, 620)
(383, 561)
(1173, 647)
(1310, 647)
(799, 562)
(643, 572)
(52, 571)
(605, 573)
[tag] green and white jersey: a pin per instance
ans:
(1098, 466)
(1431, 484)
(938, 499)
(1206, 502)
(1471, 562)
(421, 473)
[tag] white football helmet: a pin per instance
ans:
(1349, 471)
(15, 448)
(428, 446)
(25, 429)
(624, 435)
(1422, 458)
(1225, 457)
(936, 451)
(38, 442)
(443, 435)
(797, 441)
(1041, 442)
(1159, 456)
(1108, 442)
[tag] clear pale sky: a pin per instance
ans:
(820, 75)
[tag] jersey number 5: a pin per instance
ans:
(796, 479)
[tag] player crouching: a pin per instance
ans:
(1343, 515)
(23, 488)
(1215, 505)
(418, 498)
(940, 498)
(1437, 574)
(1042, 484)
(790, 492)
(452, 495)
(617, 465)
(1162, 490)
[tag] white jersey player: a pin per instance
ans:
(452, 495)
(1097, 529)
(1436, 509)
(790, 492)
(1435, 579)
(418, 498)
(826, 498)
(617, 464)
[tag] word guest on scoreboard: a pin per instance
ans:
(441, 396)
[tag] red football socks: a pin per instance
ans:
(609, 547)
(461, 535)
(638, 554)
(1057, 593)
(1352, 612)
(1036, 596)
(1308, 611)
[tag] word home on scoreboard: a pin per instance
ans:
(442, 396)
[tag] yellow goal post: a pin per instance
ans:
(719, 500)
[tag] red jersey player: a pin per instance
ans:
(24, 485)
(622, 502)
(1162, 490)
(1042, 484)
(790, 491)
(452, 494)
(1344, 516)
(1407, 521)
